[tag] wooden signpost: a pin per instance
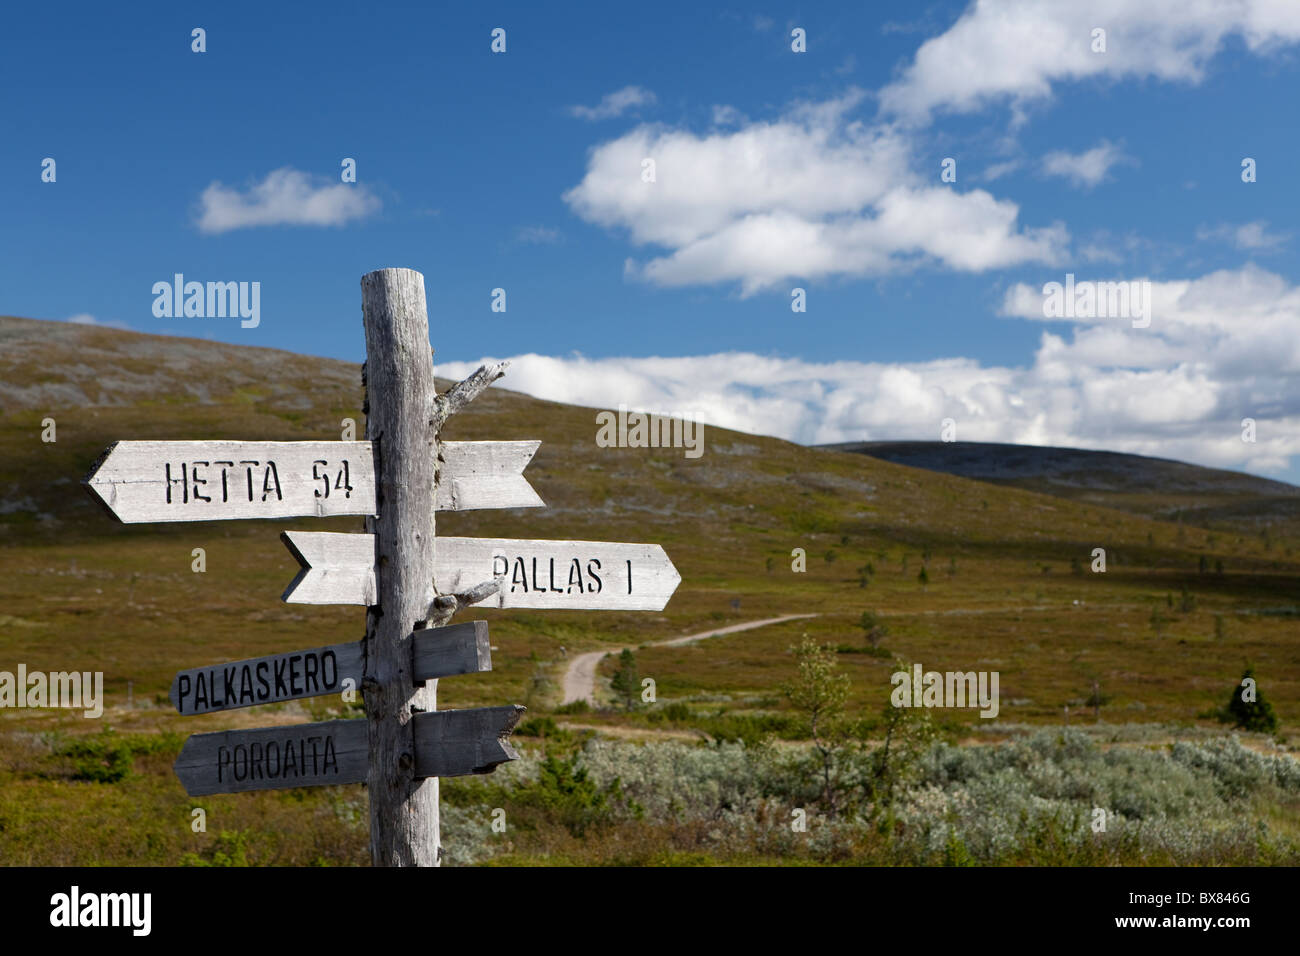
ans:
(410, 581)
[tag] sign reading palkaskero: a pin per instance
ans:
(216, 480)
(435, 652)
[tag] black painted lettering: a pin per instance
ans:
(331, 758)
(196, 480)
(240, 751)
(271, 476)
(553, 587)
(246, 685)
(225, 493)
(291, 761)
(295, 674)
(309, 676)
(280, 666)
(262, 668)
(200, 692)
(575, 576)
(255, 760)
(272, 752)
(183, 686)
(182, 481)
(329, 669)
(592, 566)
(223, 760)
(520, 576)
(251, 463)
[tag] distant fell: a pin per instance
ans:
(1153, 487)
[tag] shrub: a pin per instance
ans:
(230, 849)
(1254, 715)
(107, 757)
(541, 727)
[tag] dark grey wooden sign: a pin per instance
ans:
(448, 743)
(436, 652)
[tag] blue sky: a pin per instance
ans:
(775, 170)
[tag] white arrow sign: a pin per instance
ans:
(216, 480)
(602, 575)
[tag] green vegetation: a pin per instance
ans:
(1248, 709)
(626, 682)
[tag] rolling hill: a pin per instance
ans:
(1154, 487)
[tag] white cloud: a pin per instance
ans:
(286, 197)
(1085, 169)
(1220, 348)
(615, 104)
(811, 194)
(537, 235)
(998, 170)
(1250, 236)
(1015, 50)
(85, 318)
(728, 116)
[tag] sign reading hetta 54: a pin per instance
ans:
(211, 480)
(411, 582)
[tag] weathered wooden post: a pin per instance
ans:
(399, 400)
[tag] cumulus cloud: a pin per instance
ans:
(1220, 348)
(1015, 50)
(1085, 169)
(814, 193)
(1250, 236)
(286, 197)
(85, 318)
(614, 104)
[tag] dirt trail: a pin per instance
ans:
(580, 677)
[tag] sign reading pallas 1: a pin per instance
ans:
(410, 581)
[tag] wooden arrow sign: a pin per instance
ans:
(448, 743)
(215, 480)
(339, 569)
(436, 652)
